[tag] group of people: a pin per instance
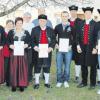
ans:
(82, 37)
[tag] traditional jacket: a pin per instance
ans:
(12, 37)
(18, 64)
(87, 43)
(98, 31)
(74, 25)
(37, 36)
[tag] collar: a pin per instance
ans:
(44, 28)
(67, 24)
(88, 21)
(72, 19)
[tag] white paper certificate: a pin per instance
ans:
(98, 46)
(63, 45)
(43, 50)
(19, 48)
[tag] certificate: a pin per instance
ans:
(63, 45)
(18, 48)
(98, 46)
(43, 50)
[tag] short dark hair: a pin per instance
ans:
(9, 21)
(64, 12)
(18, 19)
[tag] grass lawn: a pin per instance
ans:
(71, 93)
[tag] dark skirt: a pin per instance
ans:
(19, 71)
(1, 67)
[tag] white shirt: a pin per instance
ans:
(88, 21)
(44, 28)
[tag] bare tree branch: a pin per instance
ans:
(9, 6)
(14, 8)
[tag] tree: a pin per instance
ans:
(7, 9)
(9, 6)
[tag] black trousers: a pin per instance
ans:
(44, 64)
(7, 69)
(38, 69)
(30, 64)
(75, 55)
(92, 75)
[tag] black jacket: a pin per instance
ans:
(86, 57)
(67, 33)
(11, 38)
(36, 33)
(74, 28)
(92, 35)
(2, 36)
(98, 31)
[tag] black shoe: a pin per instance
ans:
(25, 87)
(81, 85)
(47, 85)
(21, 89)
(36, 86)
(92, 87)
(13, 89)
(7, 84)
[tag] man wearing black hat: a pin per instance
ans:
(86, 47)
(42, 34)
(75, 22)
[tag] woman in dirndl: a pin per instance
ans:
(18, 62)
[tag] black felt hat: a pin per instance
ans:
(98, 10)
(88, 9)
(42, 16)
(73, 7)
